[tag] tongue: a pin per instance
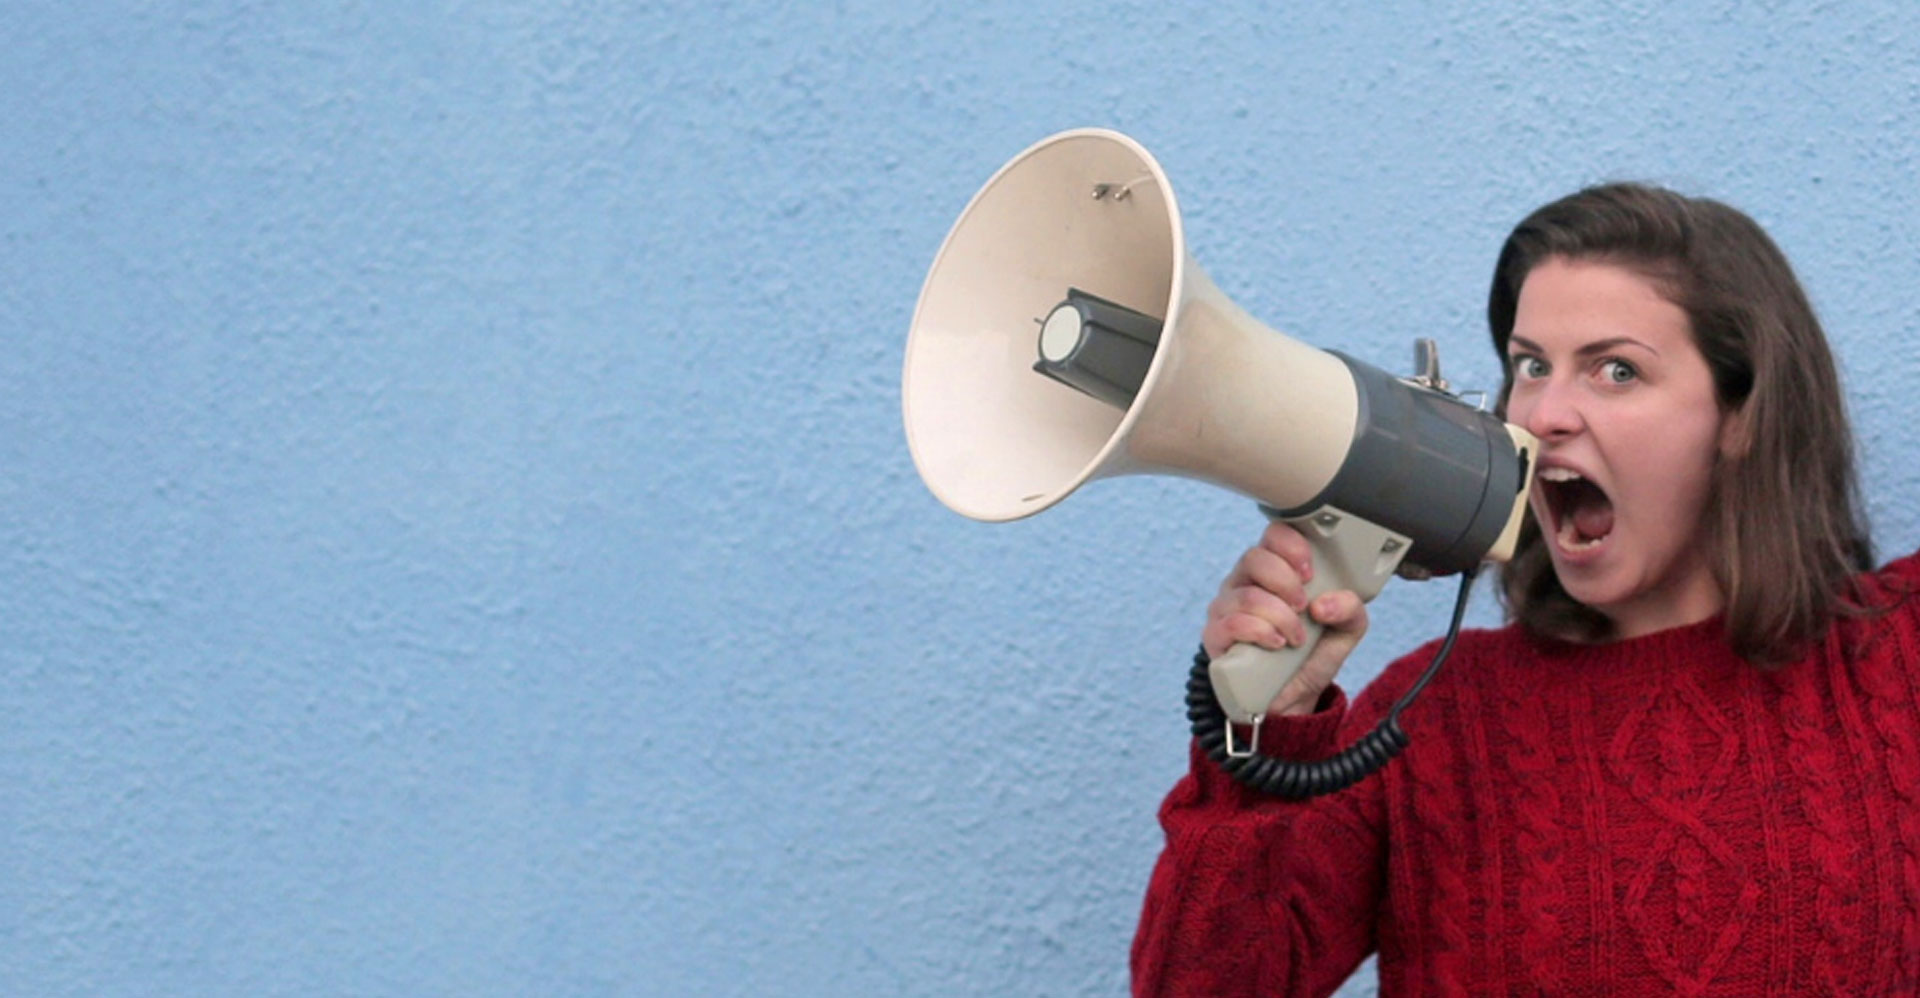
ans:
(1590, 510)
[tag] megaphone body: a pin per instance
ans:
(1064, 333)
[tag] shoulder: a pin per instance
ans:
(1882, 597)
(1881, 616)
(1896, 581)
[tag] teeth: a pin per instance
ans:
(1559, 475)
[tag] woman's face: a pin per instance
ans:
(1606, 374)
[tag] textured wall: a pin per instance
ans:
(455, 531)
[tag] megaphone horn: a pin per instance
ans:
(1065, 334)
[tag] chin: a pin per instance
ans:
(1635, 607)
(1598, 598)
(1599, 588)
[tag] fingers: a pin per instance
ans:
(1270, 581)
(1274, 574)
(1291, 545)
(1255, 616)
(1281, 559)
(1263, 601)
(1224, 632)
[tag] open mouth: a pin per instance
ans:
(1580, 511)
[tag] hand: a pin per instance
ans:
(1263, 601)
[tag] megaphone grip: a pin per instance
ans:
(1348, 553)
(1296, 779)
(1247, 672)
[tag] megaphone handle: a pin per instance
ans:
(1348, 553)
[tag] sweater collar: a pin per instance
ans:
(1699, 641)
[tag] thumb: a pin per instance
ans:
(1342, 616)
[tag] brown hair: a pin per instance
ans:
(1786, 530)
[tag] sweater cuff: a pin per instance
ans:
(1305, 737)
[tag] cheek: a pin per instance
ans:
(1675, 472)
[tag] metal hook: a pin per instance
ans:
(1118, 192)
(1253, 742)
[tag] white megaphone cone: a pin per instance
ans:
(1064, 334)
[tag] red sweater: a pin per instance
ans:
(1646, 817)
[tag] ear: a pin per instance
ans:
(1736, 432)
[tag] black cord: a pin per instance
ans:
(1300, 780)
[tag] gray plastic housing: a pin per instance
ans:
(1426, 465)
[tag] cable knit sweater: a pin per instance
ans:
(1647, 817)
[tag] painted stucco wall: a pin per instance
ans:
(456, 535)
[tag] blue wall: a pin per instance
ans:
(456, 535)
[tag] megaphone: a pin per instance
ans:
(1064, 333)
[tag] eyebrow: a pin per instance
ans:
(1596, 347)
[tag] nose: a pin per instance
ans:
(1547, 409)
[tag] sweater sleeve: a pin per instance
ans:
(1254, 895)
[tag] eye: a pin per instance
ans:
(1528, 367)
(1618, 372)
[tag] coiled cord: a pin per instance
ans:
(1296, 780)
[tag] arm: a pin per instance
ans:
(1255, 895)
(1258, 896)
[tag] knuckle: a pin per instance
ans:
(1254, 599)
(1246, 629)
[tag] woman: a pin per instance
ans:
(1691, 763)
